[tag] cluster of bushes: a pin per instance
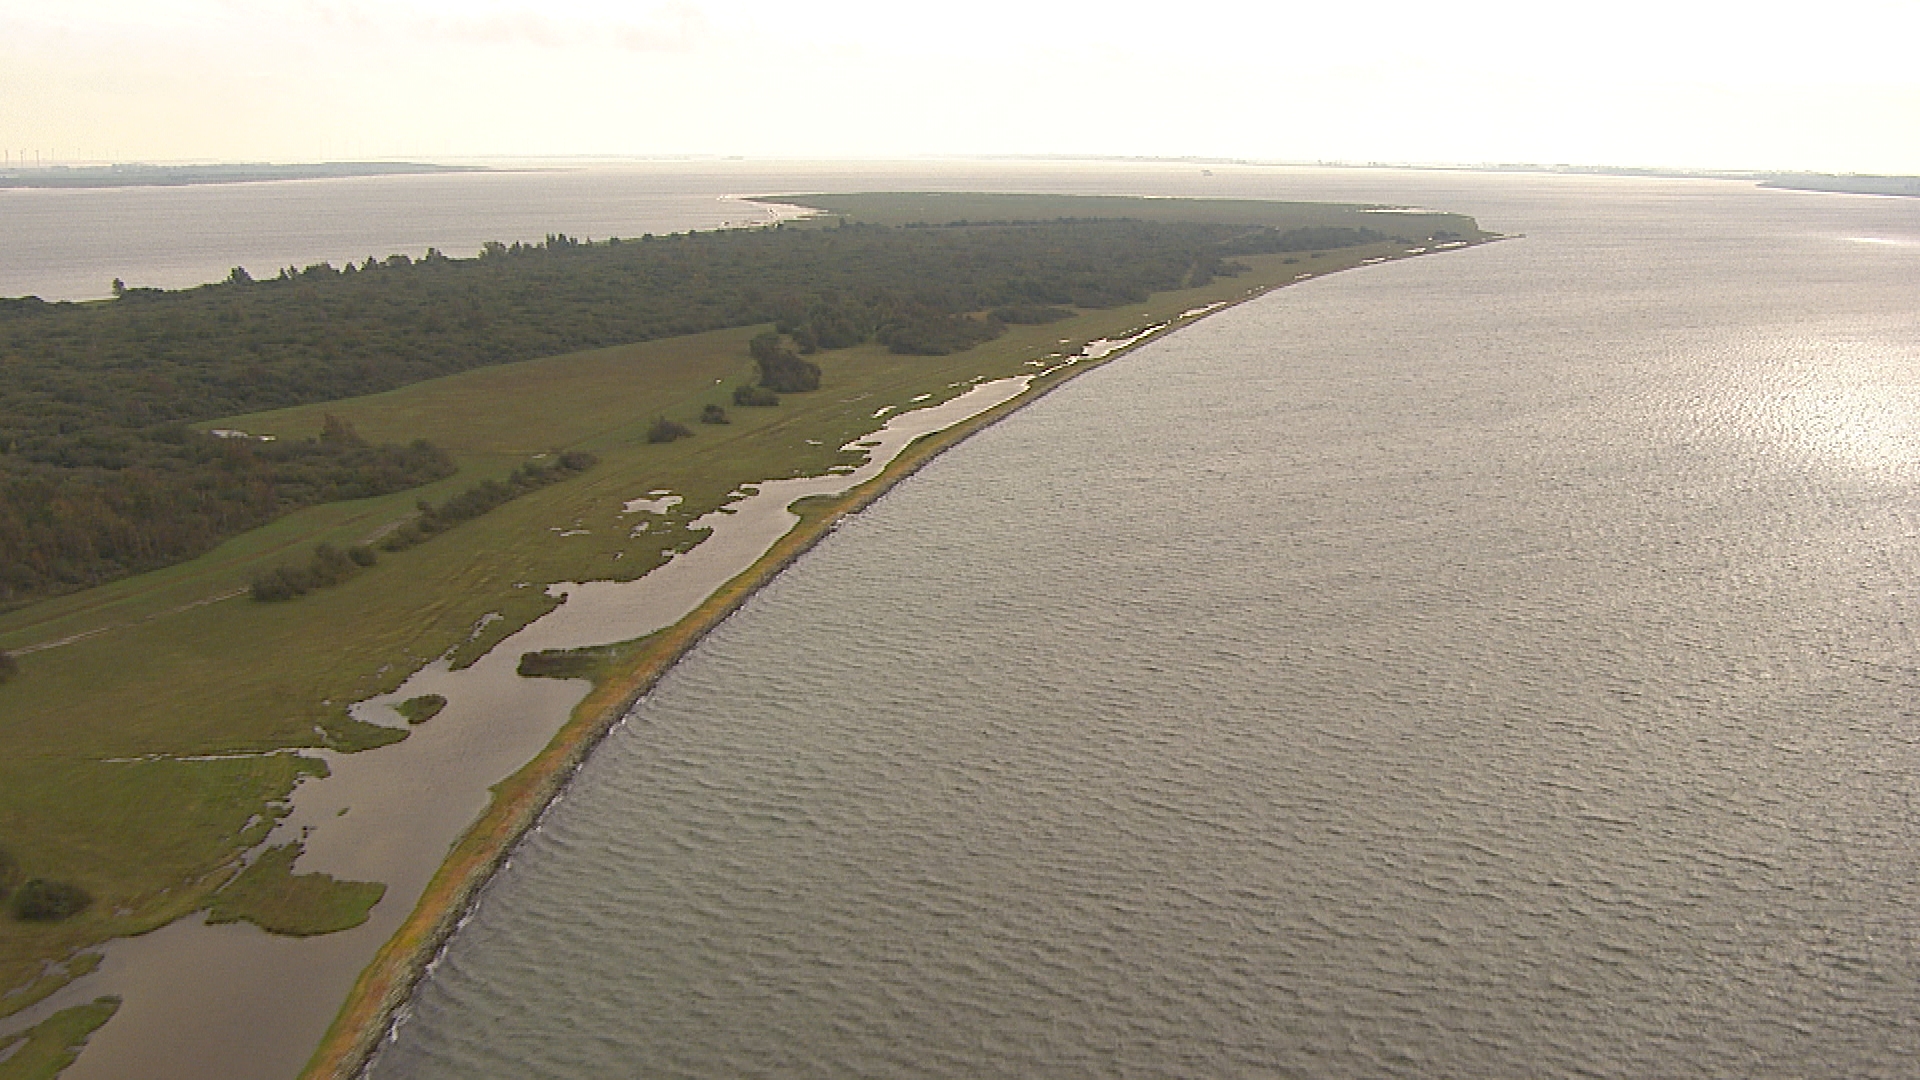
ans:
(328, 566)
(781, 369)
(747, 395)
(485, 496)
(666, 431)
(38, 899)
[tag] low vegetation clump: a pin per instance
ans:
(754, 397)
(328, 566)
(419, 710)
(485, 496)
(714, 414)
(666, 431)
(563, 663)
(41, 900)
(9, 667)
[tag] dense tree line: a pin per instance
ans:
(99, 476)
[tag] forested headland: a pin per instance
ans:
(102, 473)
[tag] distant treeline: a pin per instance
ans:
(99, 477)
(140, 175)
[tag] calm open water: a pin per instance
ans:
(1500, 664)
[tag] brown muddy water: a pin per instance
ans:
(1497, 665)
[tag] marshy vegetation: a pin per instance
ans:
(564, 663)
(270, 895)
(419, 710)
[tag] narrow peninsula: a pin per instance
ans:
(259, 539)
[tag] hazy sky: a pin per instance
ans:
(1833, 86)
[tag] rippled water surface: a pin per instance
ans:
(1499, 664)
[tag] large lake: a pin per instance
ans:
(1500, 665)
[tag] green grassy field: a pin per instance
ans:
(95, 733)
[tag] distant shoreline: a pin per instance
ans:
(121, 176)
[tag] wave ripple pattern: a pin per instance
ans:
(1500, 665)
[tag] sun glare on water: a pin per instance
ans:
(1872, 426)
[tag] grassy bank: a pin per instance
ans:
(105, 740)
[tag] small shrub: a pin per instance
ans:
(362, 555)
(281, 583)
(9, 667)
(665, 431)
(40, 900)
(756, 397)
(329, 566)
(402, 538)
(714, 414)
